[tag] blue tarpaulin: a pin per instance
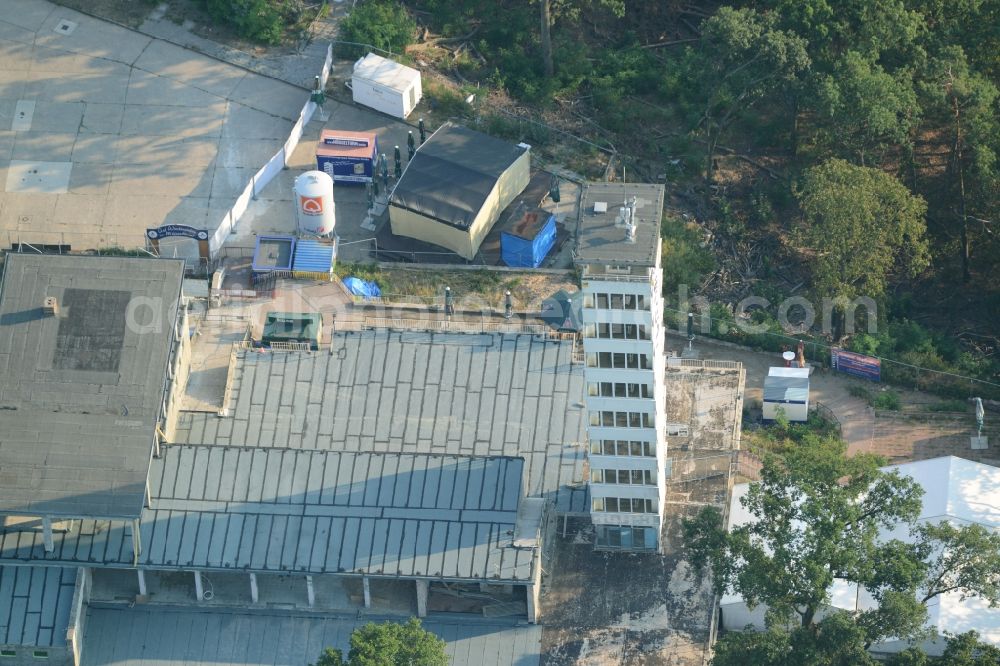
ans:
(360, 287)
(528, 245)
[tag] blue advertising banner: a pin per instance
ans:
(181, 230)
(859, 365)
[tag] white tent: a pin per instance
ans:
(955, 490)
(386, 86)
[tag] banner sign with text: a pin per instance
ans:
(859, 365)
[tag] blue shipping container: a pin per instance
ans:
(520, 252)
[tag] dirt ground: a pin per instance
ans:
(528, 288)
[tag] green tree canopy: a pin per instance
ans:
(817, 516)
(743, 58)
(384, 24)
(865, 108)
(863, 226)
(389, 644)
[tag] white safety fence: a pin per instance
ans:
(271, 169)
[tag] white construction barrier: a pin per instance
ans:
(272, 168)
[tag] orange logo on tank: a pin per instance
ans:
(311, 205)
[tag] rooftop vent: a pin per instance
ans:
(51, 306)
(600, 207)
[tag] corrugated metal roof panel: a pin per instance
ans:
(313, 257)
(355, 402)
(35, 604)
(279, 527)
(786, 389)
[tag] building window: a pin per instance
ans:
(617, 302)
(40, 654)
(622, 505)
(8, 653)
(621, 447)
(610, 419)
(602, 301)
(624, 477)
(626, 538)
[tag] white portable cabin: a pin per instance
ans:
(787, 389)
(386, 86)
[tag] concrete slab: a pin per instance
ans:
(29, 212)
(92, 37)
(92, 178)
(194, 70)
(80, 208)
(236, 152)
(174, 121)
(61, 87)
(56, 116)
(12, 85)
(102, 118)
(22, 114)
(245, 123)
(147, 88)
(269, 96)
(55, 59)
(40, 177)
(146, 179)
(43, 146)
(27, 14)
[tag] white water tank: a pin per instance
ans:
(314, 211)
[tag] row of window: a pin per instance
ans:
(621, 447)
(622, 419)
(617, 331)
(37, 654)
(619, 360)
(619, 390)
(635, 477)
(626, 538)
(615, 301)
(622, 505)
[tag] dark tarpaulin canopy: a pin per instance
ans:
(452, 174)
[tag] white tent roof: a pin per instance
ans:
(385, 72)
(777, 371)
(956, 490)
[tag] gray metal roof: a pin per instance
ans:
(452, 174)
(278, 510)
(786, 389)
(148, 636)
(416, 392)
(598, 240)
(35, 605)
(84, 386)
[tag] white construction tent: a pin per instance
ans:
(386, 85)
(957, 491)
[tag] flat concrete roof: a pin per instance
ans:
(416, 392)
(280, 510)
(151, 636)
(35, 605)
(598, 240)
(105, 132)
(80, 391)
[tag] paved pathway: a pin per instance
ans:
(297, 68)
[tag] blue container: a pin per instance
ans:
(528, 250)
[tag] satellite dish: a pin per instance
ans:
(788, 355)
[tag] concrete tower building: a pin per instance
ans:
(618, 253)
